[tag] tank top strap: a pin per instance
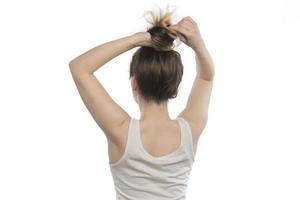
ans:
(133, 147)
(133, 131)
(135, 151)
(187, 136)
(130, 143)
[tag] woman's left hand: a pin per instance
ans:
(141, 39)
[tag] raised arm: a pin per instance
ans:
(196, 109)
(105, 111)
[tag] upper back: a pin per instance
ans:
(139, 174)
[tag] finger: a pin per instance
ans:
(191, 23)
(190, 20)
(185, 27)
(174, 27)
(180, 28)
(185, 22)
(182, 37)
(179, 32)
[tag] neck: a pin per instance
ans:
(152, 111)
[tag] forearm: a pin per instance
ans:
(204, 63)
(96, 57)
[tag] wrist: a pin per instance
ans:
(199, 45)
(140, 39)
(132, 40)
(135, 40)
(200, 48)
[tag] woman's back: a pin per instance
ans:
(158, 139)
(154, 164)
(147, 160)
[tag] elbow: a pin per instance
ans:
(207, 73)
(211, 73)
(74, 68)
(207, 76)
(77, 69)
(72, 64)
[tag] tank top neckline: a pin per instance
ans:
(168, 155)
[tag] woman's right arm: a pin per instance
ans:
(196, 109)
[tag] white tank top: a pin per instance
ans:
(137, 175)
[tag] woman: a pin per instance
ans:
(150, 157)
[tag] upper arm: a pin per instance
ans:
(104, 110)
(196, 110)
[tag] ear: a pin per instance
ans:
(133, 83)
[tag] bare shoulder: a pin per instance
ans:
(117, 143)
(119, 134)
(196, 128)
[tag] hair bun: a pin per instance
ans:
(162, 38)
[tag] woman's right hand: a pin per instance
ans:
(188, 32)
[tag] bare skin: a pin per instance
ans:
(159, 133)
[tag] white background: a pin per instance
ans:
(50, 147)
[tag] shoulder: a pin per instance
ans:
(119, 134)
(196, 128)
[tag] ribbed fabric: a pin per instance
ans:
(141, 176)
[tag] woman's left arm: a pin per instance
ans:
(104, 110)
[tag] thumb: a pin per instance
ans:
(174, 27)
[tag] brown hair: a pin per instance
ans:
(158, 69)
